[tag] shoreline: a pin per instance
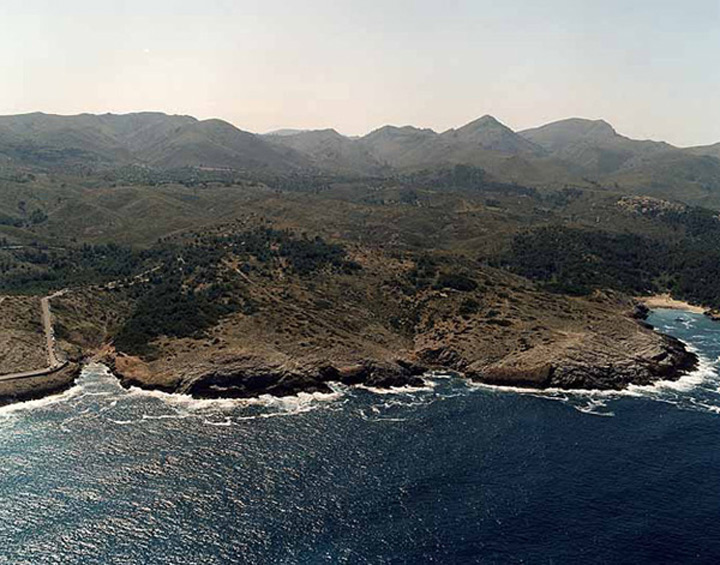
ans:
(666, 301)
(36, 387)
(668, 359)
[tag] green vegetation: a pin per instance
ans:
(169, 308)
(189, 242)
(577, 261)
(438, 274)
(39, 269)
(204, 277)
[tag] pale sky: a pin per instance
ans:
(650, 67)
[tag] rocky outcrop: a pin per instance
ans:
(32, 388)
(251, 376)
(528, 339)
(527, 377)
(592, 365)
(595, 362)
(608, 348)
(713, 314)
(667, 360)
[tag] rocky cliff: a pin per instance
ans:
(596, 343)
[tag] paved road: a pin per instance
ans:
(31, 374)
(54, 363)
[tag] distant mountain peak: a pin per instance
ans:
(286, 131)
(492, 135)
(486, 122)
(596, 127)
(575, 128)
(315, 133)
(326, 132)
(407, 129)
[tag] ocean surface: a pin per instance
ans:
(452, 473)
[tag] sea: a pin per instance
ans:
(452, 472)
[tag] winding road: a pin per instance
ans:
(54, 364)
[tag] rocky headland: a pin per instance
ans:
(39, 386)
(599, 343)
(369, 330)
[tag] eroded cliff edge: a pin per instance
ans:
(529, 339)
(33, 388)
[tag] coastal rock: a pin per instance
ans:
(546, 340)
(249, 376)
(530, 377)
(248, 384)
(380, 375)
(19, 390)
(713, 314)
(593, 366)
(641, 311)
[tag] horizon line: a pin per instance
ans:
(347, 135)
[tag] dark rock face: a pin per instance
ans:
(641, 311)
(248, 385)
(244, 381)
(535, 377)
(597, 370)
(381, 375)
(21, 390)
(670, 361)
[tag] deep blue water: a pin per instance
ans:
(452, 474)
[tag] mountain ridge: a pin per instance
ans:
(148, 138)
(569, 152)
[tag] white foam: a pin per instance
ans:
(553, 392)
(439, 375)
(224, 424)
(595, 408)
(706, 407)
(86, 394)
(69, 394)
(196, 404)
(427, 387)
(703, 373)
(124, 422)
(165, 417)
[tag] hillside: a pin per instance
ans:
(488, 134)
(472, 144)
(152, 139)
(144, 147)
(248, 288)
(329, 151)
(593, 147)
(313, 257)
(484, 143)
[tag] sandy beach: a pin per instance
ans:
(666, 301)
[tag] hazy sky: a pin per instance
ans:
(650, 67)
